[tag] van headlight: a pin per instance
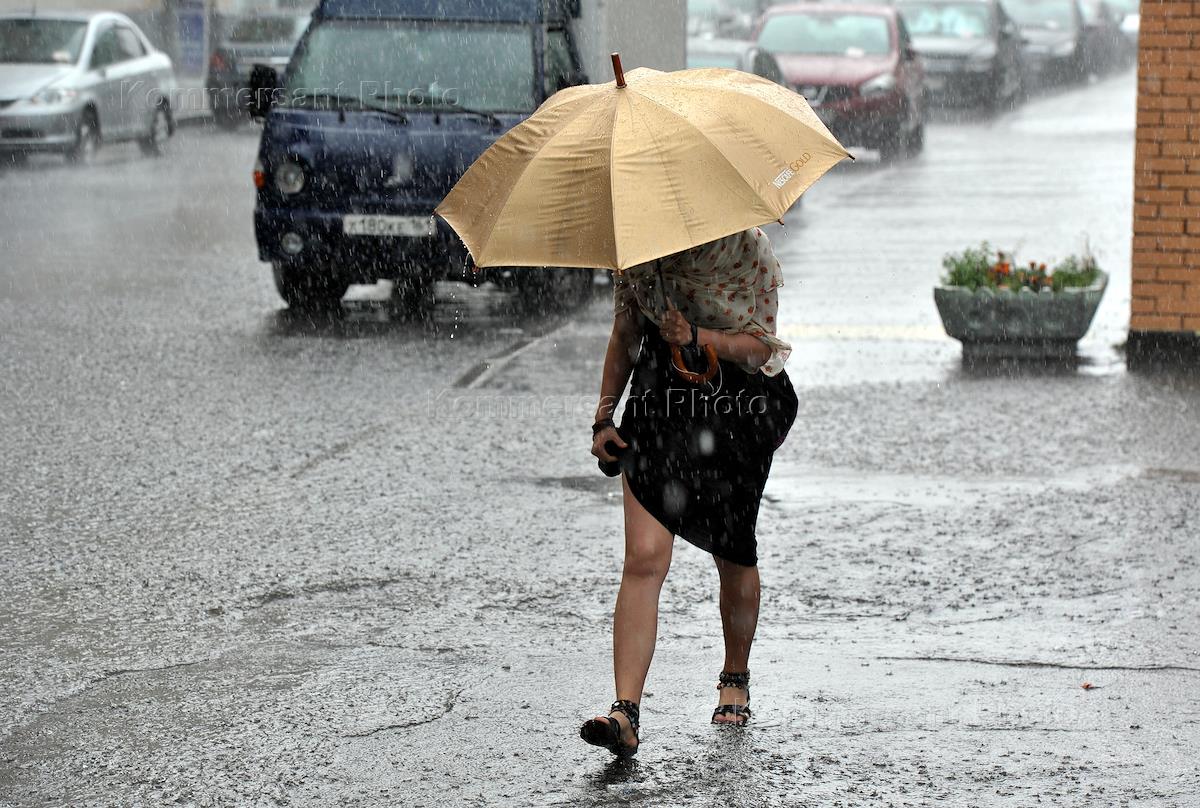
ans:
(53, 96)
(880, 85)
(289, 178)
(1064, 49)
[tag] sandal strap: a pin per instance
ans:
(734, 679)
(741, 710)
(630, 709)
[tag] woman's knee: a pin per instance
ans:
(647, 562)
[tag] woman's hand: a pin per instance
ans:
(609, 433)
(675, 328)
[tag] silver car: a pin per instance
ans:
(71, 81)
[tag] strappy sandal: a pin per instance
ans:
(607, 732)
(741, 680)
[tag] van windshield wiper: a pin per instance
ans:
(490, 117)
(342, 101)
(423, 103)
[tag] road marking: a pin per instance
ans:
(835, 331)
(479, 373)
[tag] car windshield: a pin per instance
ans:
(485, 67)
(713, 7)
(729, 60)
(1126, 6)
(41, 41)
(1055, 15)
(961, 21)
(267, 29)
(827, 34)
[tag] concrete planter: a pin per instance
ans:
(1024, 324)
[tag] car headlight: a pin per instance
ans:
(1064, 49)
(882, 84)
(289, 177)
(52, 96)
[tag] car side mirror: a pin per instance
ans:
(572, 79)
(264, 84)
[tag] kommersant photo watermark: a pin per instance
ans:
(674, 402)
(139, 93)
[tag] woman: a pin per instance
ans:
(693, 457)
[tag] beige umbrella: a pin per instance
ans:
(613, 175)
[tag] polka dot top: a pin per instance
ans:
(729, 285)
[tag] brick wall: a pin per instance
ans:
(1166, 214)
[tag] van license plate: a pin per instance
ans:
(404, 226)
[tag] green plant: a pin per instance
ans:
(1075, 271)
(969, 268)
(983, 267)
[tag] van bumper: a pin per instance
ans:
(358, 259)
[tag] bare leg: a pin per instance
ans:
(635, 621)
(740, 594)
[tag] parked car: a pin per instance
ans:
(258, 39)
(970, 49)
(735, 54)
(383, 106)
(1105, 46)
(1130, 12)
(724, 19)
(1052, 34)
(69, 82)
(857, 68)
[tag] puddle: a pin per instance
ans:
(1172, 475)
(596, 483)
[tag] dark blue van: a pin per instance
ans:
(383, 106)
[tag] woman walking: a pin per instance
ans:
(693, 455)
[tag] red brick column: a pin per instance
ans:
(1166, 214)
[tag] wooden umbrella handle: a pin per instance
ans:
(710, 355)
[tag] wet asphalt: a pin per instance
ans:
(254, 558)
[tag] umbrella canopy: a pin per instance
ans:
(617, 174)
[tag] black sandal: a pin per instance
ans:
(741, 680)
(607, 733)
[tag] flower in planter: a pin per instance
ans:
(981, 267)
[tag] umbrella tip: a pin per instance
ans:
(618, 71)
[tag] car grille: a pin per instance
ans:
(943, 64)
(822, 94)
(20, 134)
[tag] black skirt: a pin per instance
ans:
(699, 455)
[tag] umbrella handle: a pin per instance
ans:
(710, 355)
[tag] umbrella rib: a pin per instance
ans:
(658, 153)
(717, 148)
(583, 107)
(612, 191)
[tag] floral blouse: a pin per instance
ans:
(729, 285)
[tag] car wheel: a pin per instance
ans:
(154, 144)
(413, 295)
(87, 139)
(308, 288)
(552, 289)
(893, 143)
(13, 158)
(227, 117)
(915, 142)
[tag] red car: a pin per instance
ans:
(856, 66)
